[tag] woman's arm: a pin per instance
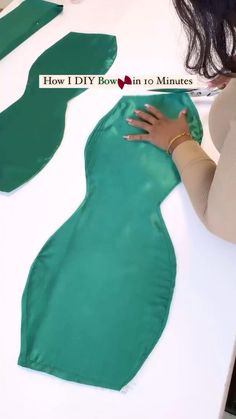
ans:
(211, 187)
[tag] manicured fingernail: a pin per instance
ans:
(126, 137)
(136, 111)
(128, 120)
(147, 105)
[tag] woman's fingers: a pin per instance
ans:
(183, 114)
(145, 116)
(148, 122)
(139, 124)
(154, 111)
(137, 137)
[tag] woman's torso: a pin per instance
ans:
(222, 113)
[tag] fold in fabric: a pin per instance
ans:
(32, 128)
(23, 21)
(98, 294)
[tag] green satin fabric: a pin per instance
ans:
(98, 294)
(32, 128)
(23, 21)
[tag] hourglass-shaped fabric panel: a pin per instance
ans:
(32, 128)
(99, 292)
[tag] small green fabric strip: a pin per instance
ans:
(23, 21)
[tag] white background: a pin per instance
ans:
(187, 374)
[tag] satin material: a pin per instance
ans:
(98, 294)
(23, 21)
(32, 128)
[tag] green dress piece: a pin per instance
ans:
(23, 21)
(98, 294)
(32, 128)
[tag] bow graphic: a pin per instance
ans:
(127, 80)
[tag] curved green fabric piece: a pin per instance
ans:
(98, 294)
(32, 128)
(23, 21)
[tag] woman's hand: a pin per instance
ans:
(160, 129)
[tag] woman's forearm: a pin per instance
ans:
(211, 187)
(197, 170)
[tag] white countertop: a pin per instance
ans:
(187, 374)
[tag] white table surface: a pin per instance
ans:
(187, 374)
